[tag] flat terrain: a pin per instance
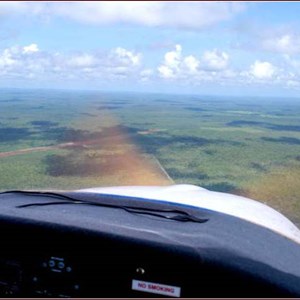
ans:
(71, 140)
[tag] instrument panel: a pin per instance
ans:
(42, 262)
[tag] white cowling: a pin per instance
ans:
(241, 207)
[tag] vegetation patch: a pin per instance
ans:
(282, 139)
(258, 167)
(102, 107)
(278, 127)
(43, 123)
(280, 189)
(11, 134)
(224, 187)
(176, 174)
(192, 108)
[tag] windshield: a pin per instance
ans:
(98, 94)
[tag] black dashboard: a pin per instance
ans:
(63, 250)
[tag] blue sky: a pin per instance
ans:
(223, 48)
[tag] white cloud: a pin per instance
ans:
(7, 7)
(198, 15)
(7, 58)
(213, 67)
(30, 49)
(175, 65)
(215, 60)
(292, 63)
(83, 60)
(266, 74)
(23, 8)
(107, 12)
(285, 43)
(30, 62)
(191, 15)
(293, 83)
(191, 63)
(171, 65)
(165, 72)
(173, 58)
(126, 57)
(262, 70)
(272, 38)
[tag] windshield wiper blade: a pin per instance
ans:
(40, 193)
(174, 214)
(170, 214)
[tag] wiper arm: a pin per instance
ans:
(170, 214)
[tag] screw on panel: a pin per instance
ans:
(140, 271)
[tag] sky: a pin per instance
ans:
(207, 48)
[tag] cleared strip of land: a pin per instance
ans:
(36, 149)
